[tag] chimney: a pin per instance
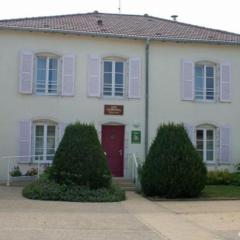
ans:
(174, 17)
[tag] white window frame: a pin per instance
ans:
(113, 78)
(45, 124)
(48, 56)
(205, 65)
(205, 129)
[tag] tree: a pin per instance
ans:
(173, 168)
(80, 159)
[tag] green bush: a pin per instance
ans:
(50, 190)
(223, 177)
(219, 177)
(173, 168)
(235, 179)
(238, 167)
(16, 172)
(80, 160)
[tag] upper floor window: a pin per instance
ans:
(205, 142)
(205, 82)
(113, 78)
(47, 74)
(39, 73)
(45, 140)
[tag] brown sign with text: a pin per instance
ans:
(113, 109)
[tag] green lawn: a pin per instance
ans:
(221, 191)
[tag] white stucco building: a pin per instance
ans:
(126, 74)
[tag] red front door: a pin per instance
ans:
(113, 146)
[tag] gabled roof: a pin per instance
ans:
(121, 25)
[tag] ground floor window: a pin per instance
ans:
(44, 140)
(205, 142)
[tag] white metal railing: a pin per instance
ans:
(208, 93)
(135, 169)
(35, 161)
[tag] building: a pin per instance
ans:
(126, 74)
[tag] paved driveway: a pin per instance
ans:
(136, 218)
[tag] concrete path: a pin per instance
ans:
(134, 219)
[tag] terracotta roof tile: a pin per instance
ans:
(120, 25)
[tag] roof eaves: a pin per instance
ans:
(111, 35)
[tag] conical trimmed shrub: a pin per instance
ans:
(80, 159)
(173, 168)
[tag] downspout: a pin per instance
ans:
(147, 43)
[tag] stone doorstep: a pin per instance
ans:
(125, 184)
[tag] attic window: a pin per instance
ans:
(100, 22)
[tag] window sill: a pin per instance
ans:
(42, 162)
(210, 163)
(205, 101)
(43, 94)
(113, 98)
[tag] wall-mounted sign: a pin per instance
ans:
(113, 109)
(136, 137)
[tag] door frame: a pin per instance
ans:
(125, 142)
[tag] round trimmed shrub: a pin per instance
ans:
(173, 168)
(80, 160)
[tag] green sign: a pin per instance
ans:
(136, 137)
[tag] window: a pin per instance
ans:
(205, 82)
(113, 78)
(47, 74)
(44, 140)
(205, 143)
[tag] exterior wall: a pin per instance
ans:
(165, 102)
(15, 106)
(165, 89)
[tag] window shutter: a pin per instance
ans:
(225, 142)
(190, 129)
(94, 76)
(68, 75)
(134, 88)
(25, 127)
(187, 80)
(225, 82)
(26, 72)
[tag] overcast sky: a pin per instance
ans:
(218, 14)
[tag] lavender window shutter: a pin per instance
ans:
(25, 127)
(225, 144)
(225, 82)
(187, 80)
(68, 75)
(190, 129)
(94, 76)
(134, 88)
(26, 72)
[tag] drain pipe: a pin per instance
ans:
(147, 43)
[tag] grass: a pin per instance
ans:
(221, 192)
